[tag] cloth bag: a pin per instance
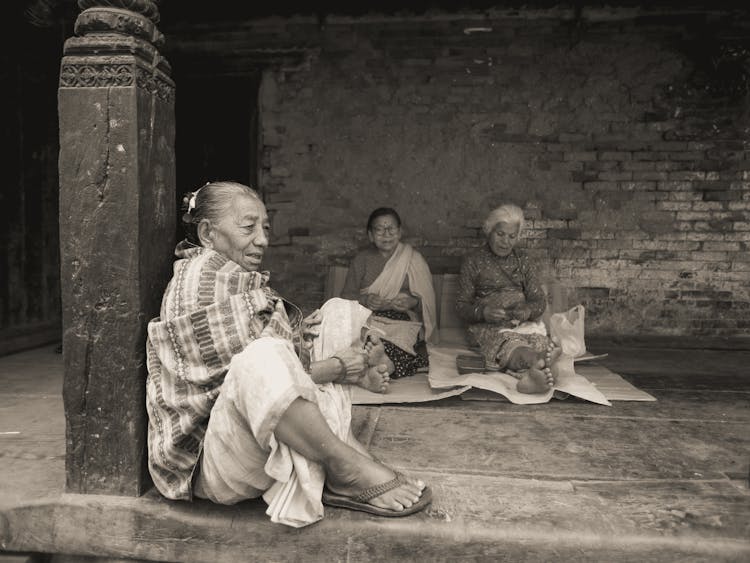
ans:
(567, 328)
(401, 333)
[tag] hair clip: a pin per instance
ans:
(191, 202)
(194, 196)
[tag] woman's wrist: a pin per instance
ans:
(341, 373)
(327, 371)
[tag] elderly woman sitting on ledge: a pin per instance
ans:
(502, 299)
(245, 399)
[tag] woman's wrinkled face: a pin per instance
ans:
(385, 233)
(504, 237)
(242, 234)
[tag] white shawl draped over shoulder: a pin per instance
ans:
(405, 262)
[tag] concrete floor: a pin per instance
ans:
(568, 480)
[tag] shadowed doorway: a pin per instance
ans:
(217, 129)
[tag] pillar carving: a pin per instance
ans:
(117, 226)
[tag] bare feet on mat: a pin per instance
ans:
(376, 353)
(536, 368)
(377, 376)
(525, 357)
(535, 381)
(351, 476)
(375, 379)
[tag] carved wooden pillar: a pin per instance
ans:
(117, 224)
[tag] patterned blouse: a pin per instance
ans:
(486, 276)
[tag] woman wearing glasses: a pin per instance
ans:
(393, 280)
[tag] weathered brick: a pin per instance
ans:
(687, 175)
(597, 235)
(601, 186)
(638, 186)
(719, 196)
(650, 175)
(725, 246)
(611, 155)
(572, 234)
(674, 205)
(708, 256)
(614, 176)
(639, 165)
(669, 146)
(672, 185)
(644, 155)
(687, 155)
(707, 206)
(582, 156)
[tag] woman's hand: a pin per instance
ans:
(354, 362)
(520, 314)
(404, 302)
(377, 303)
(310, 326)
(495, 314)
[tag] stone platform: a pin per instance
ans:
(568, 480)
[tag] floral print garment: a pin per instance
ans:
(511, 282)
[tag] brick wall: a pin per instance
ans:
(624, 138)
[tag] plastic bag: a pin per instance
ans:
(567, 328)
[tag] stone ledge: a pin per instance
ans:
(155, 529)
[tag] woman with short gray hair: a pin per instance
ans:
(501, 297)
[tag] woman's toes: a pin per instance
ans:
(415, 488)
(406, 497)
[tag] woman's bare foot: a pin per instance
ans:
(376, 355)
(536, 368)
(525, 357)
(350, 475)
(535, 381)
(375, 379)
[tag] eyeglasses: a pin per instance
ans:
(384, 230)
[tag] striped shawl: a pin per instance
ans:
(212, 308)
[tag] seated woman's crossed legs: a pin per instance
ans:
(267, 400)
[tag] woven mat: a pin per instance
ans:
(591, 382)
